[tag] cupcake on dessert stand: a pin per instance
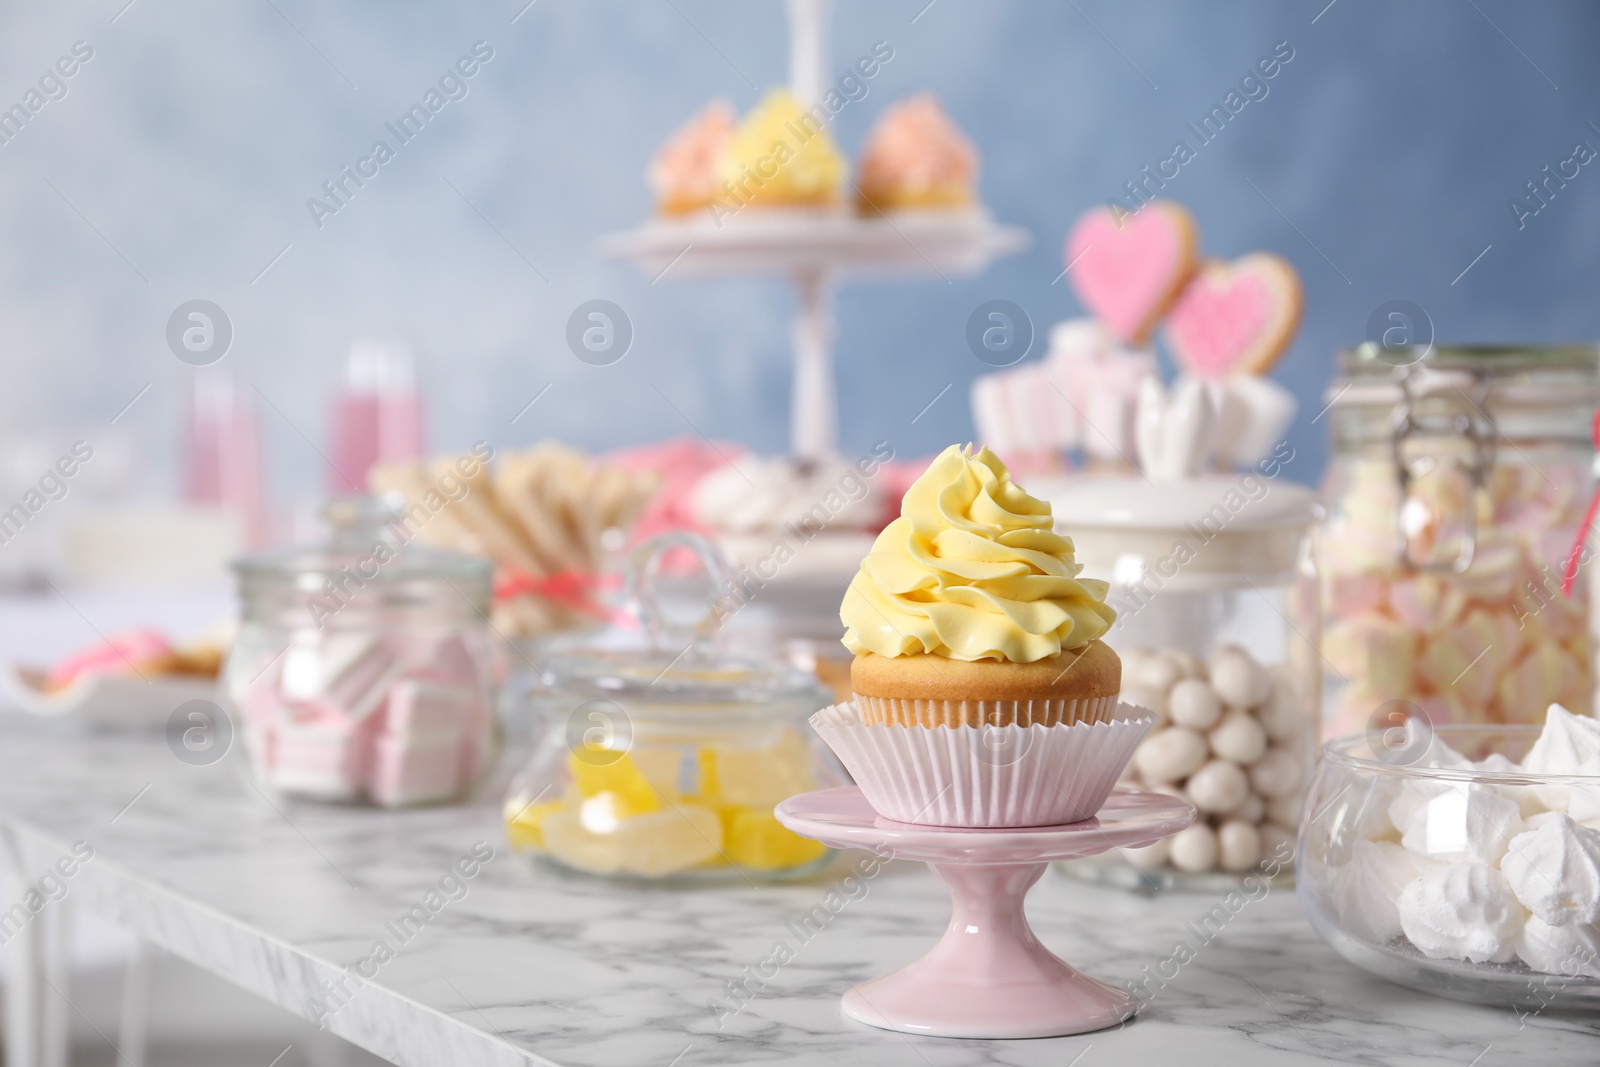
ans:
(779, 159)
(916, 161)
(970, 624)
(685, 172)
(985, 739)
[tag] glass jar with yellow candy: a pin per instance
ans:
(666, 762)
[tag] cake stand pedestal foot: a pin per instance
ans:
(989, 977)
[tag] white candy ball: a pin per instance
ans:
(1283, 716)
(1238, 737)
(1217, 787)
(1189, 665)
(1239, 844)
(1223, 651)
(1240, 681)
(1194, 848)
(1285, 810)
(1153, 700)
(1133, 658)
(1171, 754)
(1277, 843)
(1193, 703)
(1277, 773)
(1253, 810)
(1149, 857)
(1156, 673)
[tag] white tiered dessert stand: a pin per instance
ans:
(815, 250)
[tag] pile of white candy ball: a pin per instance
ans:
(1231, 741)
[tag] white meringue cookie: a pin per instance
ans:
(1363, 808)
(1527, 797)
(1464, 822)
(1530, 799)
(1442, 755)
(1465, 911)
(1583, 804)
(1569, 950)
(765, 493)
(1568, 744)
(1407, 808)
(1538, 819)
(1366, 889)
(1555, 872)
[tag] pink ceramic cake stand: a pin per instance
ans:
(988, 976)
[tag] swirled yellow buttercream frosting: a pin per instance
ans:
(782, 154)
(972, 569)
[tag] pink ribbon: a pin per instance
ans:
(1570, 572)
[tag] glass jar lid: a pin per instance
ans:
(685, 679)
(1499, 360)
(1241, 502)
(371, 544)
(1228, 529)
(681, 671)
(1521, 392)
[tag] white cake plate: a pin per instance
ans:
(797, 242)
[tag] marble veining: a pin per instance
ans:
(530, 966)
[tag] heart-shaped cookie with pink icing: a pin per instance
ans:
(1235, 318)
(1129, 268)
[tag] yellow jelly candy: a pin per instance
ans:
(758, 777)
(710, 776)
(755, 838)
(620, 779)
(649, 846)
(522, 823)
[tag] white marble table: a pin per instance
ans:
(533, 967)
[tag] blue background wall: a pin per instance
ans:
(179, 163)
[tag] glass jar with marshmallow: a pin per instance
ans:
(1449, 557)
(1213, 582)
(363, 671)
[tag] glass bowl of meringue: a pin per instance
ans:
(1462, 861)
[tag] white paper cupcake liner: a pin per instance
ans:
(984, 776)
(894, 710)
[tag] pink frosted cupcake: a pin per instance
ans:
(916, 158)
(685, 172)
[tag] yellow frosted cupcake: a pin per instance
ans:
(969, 610)
(781, 156)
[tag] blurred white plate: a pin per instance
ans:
(785, 241)
(109, 699)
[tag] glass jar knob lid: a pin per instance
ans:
(681, 666)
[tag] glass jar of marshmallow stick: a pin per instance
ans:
(1215, 592)
(1450, 558)
(363, 670)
